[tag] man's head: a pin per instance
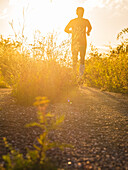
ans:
(80, 12)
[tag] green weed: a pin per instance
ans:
(36, 158)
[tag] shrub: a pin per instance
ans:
(109, 72)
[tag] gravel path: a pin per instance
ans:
(95, 123)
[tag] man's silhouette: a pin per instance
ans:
(77, 27)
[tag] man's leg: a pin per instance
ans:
(82, 60)
(75, 59)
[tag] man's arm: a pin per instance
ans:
(68, 28)
(89, 28)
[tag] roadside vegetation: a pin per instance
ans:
(108, 72)
(40, 69)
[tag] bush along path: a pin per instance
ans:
(95, 124)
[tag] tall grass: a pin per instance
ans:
(43, 70)
(47, 78)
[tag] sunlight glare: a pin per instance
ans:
(47, 16)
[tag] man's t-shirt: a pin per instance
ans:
(78, 27)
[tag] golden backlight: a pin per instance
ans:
(46, 15)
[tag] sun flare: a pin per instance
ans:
(44, 15)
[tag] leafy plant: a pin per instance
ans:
(36, 158)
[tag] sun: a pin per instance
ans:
(52, 15)
(45, 15)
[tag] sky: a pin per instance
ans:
(107, 17)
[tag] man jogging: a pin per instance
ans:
(77, 27)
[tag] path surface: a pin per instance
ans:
(96, 123)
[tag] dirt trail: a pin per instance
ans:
(95, 123)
